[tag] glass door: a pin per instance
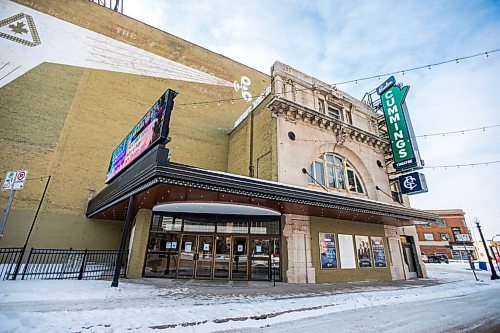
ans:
(172, 253)
(187, 257)
(222, 257)
(261, 259)
(240, 258)
(204, 257)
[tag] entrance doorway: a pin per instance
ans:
(197, 261)
(409, 255)
(207, 247)
(196, 257)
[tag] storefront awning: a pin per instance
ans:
(153, 180)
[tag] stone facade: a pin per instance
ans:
(138, 243)
(297, 232)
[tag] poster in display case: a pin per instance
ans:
(327, 251)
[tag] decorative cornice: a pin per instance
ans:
(294, 112)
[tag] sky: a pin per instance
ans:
(338, 41)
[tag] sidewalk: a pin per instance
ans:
(212, 306)
(194, 288)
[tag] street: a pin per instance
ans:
(449, 300)
(476, 312)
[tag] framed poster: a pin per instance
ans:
(346, 251)
(363, 251)
(378, 252)
(327, 251)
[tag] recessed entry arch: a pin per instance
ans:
(213, 240)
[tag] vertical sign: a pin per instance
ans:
(393, 103)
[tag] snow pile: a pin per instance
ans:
(92, 306)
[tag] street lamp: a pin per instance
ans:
(494, 275)
(496, 248)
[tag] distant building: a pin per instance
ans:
(443, 235)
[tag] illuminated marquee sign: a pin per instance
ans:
(398, 126)
(151, 129)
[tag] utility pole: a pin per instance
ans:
(6, 212)
(18, 266)
(494, 275)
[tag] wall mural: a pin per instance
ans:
(68, 44)
(21, 29)
(243, 86)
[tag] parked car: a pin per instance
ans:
(424, 257)
(438, 258)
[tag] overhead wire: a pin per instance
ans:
(460, 165)
(462, 131)
(429, 66)
(376, 76)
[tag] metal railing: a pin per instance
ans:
(58, 264)
(9, 257)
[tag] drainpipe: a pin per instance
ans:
(251, 167)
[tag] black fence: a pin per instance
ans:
(53, 264)
(9, 257)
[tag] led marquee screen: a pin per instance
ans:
(147, 132)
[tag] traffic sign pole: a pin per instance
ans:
(7, 211)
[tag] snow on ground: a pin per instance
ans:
(93, 306)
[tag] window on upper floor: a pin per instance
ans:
(334, 171)
(348, 116)
(396, 192)
(456, 231)
(321, 105)
(441, 223)
(444, 237)
(428, 237)
(334, 112)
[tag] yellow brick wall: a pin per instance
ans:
(264, 152)
(66, 121)
(239, 149)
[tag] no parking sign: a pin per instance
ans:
(20, 179)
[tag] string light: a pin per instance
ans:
(459, 165)
(355, 81)
(429, 66)
(483, 128)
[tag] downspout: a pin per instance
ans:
(251, 166)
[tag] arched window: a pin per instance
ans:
(334, 171)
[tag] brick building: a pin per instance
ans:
(442, 236)
(258, 167)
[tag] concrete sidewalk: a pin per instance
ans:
(281, 290)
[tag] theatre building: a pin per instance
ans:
(217, 171)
